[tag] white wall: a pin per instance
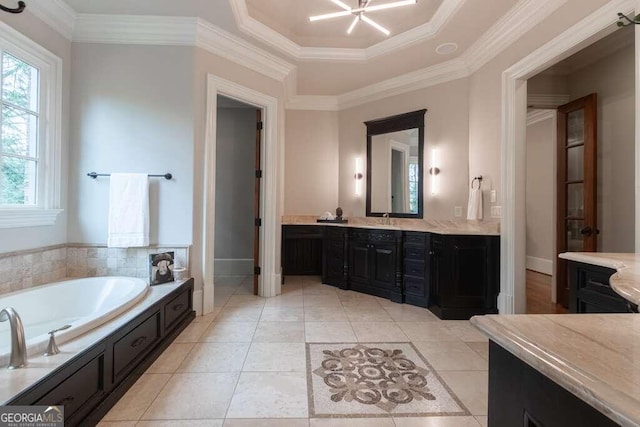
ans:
(446, 128)
(613, 79)
(311, 162)
(15, 239)
(132, 111)
(541, 181)
(235, 178)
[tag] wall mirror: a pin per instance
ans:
(395, 163)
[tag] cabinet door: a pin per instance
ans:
(334, 270)
(302, 250)
(359, 261)
(437, 269)
(383, 273)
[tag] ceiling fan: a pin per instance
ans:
(359, 13)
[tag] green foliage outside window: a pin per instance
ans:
(19, 132)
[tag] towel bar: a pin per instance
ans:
(166, 176)
(479, 179)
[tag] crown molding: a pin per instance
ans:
(420, 79)
(538, 115)
(135, 29)
(178, 31)
(523, 17)
(55, 13)
(547, 100)
(264, 33)
(235, 49)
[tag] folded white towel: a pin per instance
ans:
(128, 210)
(474, 209)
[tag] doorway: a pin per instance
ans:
(576, 190)
(237, 196)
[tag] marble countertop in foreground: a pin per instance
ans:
(626, 280)
(594, 356)
(13, 382)
(458, 227)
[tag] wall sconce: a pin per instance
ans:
(358, 175)
(434, 171)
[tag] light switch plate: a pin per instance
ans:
(496, 211)
(457, 211)
(494, 196)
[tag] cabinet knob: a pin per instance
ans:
(432, 253)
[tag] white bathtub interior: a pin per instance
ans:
(82, 303)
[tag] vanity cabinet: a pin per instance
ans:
(375, 262)
(416, 268)
(590, 291)
(302, 250)
(335, 269)
(464, 275)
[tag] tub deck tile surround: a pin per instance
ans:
(13, 382)
(458, 227)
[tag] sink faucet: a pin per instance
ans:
(18, 345)
(385, 219)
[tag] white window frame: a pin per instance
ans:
(47, 209)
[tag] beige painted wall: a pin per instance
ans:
(311, 162)
(540, 189)
(446, 128)
(15, 239)
(485, 94)
(613, 79)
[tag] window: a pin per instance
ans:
(414, 179)
(30, 96)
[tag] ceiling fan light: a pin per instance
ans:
(376, 25)
(353, 24)
(330, 15)
(386, 6)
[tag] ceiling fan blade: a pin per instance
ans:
(353, 24)
(330, 15)
(375, 25)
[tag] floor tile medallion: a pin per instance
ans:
(369, 379)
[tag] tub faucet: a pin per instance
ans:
(18, 345)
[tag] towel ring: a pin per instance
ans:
(479, 179)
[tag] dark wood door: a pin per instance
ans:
(469, 281)
(576, 221)
(335, 266)
(359, 260)
(256, 204)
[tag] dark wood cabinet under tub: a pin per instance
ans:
(90, 383)
(455, 276)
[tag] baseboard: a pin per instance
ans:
(541, 265)
(233, 267)
(197, 302)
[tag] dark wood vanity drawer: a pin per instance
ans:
(414, 268)
(336, 233)
(176, 308)
(415, 238)
(135, 345)
(78, 389)
(414, 252)
(302, 232)
(359, 235)
(382, 236)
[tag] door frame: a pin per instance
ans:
(512, 297)
(269, 282)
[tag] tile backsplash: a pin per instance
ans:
(24, 269)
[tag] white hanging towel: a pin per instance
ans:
(128, 210)
(474, 209)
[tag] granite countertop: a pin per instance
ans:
(457, 227)
(626, 280)
(13, 382)
(594, 356)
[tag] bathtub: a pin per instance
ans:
(82, 303)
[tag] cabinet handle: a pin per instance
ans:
(66, 400)
(178, 307)
(432, 253)
(138, 341)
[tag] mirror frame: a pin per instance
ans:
(414, 119)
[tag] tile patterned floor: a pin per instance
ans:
(245, 364)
